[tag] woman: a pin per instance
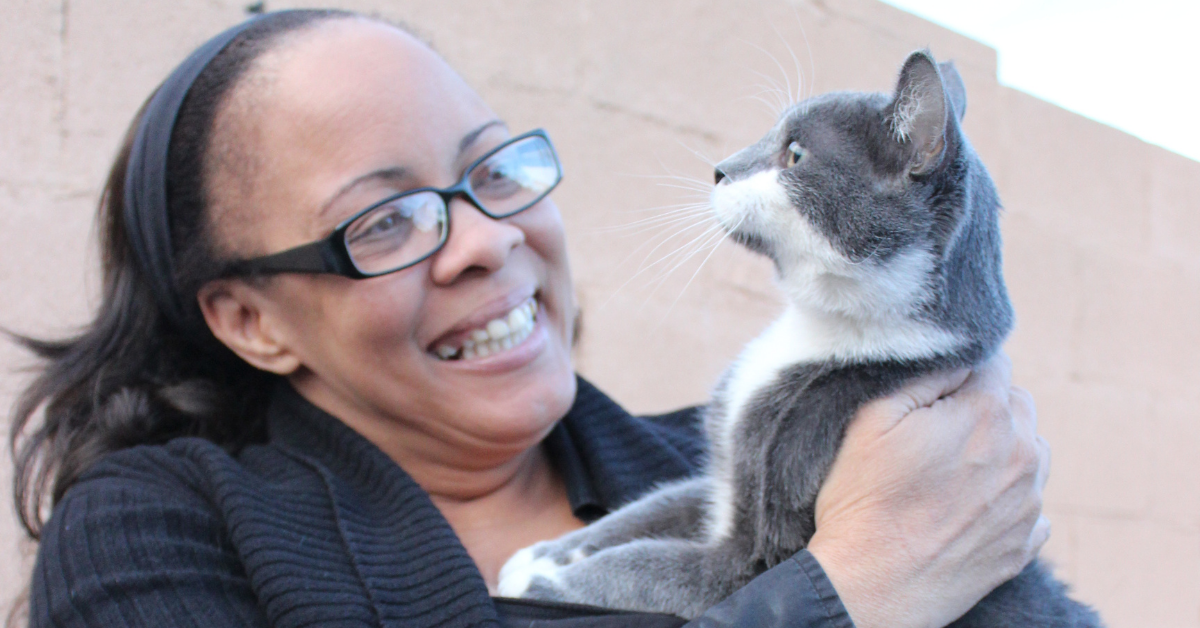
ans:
(306, 400)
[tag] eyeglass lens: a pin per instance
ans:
(411, 226)
(397, 232)
(515, 177)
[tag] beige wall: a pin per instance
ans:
(1102, 230)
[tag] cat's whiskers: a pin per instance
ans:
(812, 66)
(693, 247)
(783, 98)
(722, 236)
(646, 266)
(700, 187)
(798, 96)
(712, 163)
(703, 186)
(772, 107)
(699, 199)
(682, 257)
(694, 186)
(658, 241)
(679, 220)
(787, 79)
(673, 213)
(679, 225)
(659, 222)
(674, 253)
(786, 96)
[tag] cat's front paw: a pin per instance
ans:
(531, 573)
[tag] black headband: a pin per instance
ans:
(146, 221)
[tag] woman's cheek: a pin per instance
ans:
(546, 236)
(383, 318)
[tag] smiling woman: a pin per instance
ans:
(330, 379)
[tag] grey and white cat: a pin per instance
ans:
(883, 226)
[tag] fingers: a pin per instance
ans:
(925, 391)
(1024, 412)
(987, 399)
(920, 393)
(992, 376)
(1039, 536)
(1043, 472)
(1024, 418)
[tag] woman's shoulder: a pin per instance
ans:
(136, 487)
(179, 469)
(178, 463)
(186, 479)
(144, 517)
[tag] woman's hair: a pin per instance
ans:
(130, 377)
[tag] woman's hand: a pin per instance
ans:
(934, 499)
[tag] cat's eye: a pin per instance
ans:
(794, 154)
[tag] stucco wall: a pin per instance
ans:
(1102, 231)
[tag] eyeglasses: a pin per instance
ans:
(405, 229)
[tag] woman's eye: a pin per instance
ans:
(495, 180)
(794, 154)
(385, 225)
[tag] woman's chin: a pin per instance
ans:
(523, 410)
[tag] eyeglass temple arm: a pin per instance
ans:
(315, 257)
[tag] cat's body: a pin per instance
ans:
(883, 226)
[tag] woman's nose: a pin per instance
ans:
(478, 243)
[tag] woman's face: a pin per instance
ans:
(337, 119)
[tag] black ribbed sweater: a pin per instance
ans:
(318, 527)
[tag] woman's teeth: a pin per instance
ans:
(498, 335)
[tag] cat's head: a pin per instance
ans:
(860, 198)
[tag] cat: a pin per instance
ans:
(882, 223)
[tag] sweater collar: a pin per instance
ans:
(606, 456)
(385, 520)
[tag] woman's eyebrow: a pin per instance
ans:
(391, 174)
(470, 138)
(398, 173)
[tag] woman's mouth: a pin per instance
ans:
(498, 335)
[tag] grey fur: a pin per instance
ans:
(883, 181)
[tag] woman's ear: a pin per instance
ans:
(234, 313)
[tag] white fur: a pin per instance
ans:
(837, 309)
(908, 108)
(518, 573)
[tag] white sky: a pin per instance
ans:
(1132, 64)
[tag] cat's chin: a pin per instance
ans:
(753, 242)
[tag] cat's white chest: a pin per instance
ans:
(784, 343)
(804, 337)
(761, 362)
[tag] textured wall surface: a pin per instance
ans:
(1102, 231)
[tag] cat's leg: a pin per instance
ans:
(675, 510)
(676, 576)
(1034, 599)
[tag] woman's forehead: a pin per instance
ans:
(352, 97)
(329, 105)
(359, 72)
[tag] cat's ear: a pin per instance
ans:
(918, 112)
(956, 91)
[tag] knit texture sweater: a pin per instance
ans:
(318, 527)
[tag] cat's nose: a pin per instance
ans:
(718, 175)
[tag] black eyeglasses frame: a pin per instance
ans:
(331, 255)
